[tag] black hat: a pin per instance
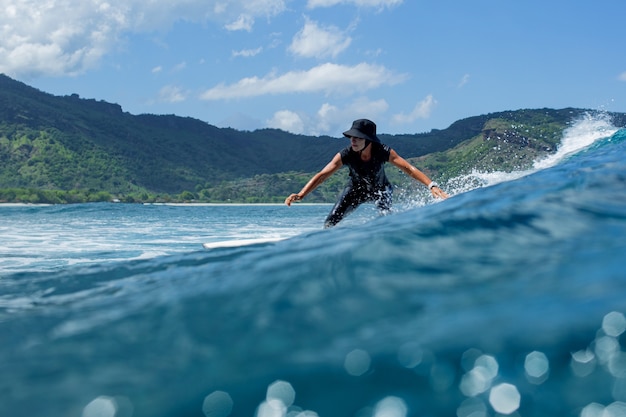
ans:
(364, 129)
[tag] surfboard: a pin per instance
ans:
(235, 243)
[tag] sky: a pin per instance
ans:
(312, 66)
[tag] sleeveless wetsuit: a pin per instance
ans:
(368, 182)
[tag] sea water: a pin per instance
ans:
(506, 299)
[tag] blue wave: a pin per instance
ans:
(396, 316)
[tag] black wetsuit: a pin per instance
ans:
(368, 182)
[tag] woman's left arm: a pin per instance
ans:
(416, 174)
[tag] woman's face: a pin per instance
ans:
(357, 144)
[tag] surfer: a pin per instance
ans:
(365, 157)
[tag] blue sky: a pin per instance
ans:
(311, 67)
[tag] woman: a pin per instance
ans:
(365, 157)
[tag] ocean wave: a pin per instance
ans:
(504, 299)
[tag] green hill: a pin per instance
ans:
(66, 149)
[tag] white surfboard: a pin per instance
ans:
(235, 243)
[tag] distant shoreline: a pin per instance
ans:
(234, 204)
(164, 204)
(25, 204)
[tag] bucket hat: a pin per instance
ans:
(364, 129)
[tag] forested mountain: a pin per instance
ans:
(66, 148)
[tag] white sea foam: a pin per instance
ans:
(47, 238)
(583, 133)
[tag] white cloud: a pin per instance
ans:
(171, 94)
(288, 121)
(68, 37)
(330, 119)
(328, 115)
(157, 69)
(243, 22)
(327, 78)
(45, 37)
(314, 41)
(311, 4)
(422, 110)
(246, 53)
(261, 7)
(622, 76)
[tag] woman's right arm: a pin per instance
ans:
(317, 179)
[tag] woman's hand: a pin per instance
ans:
(292, 198)
(438, 193)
